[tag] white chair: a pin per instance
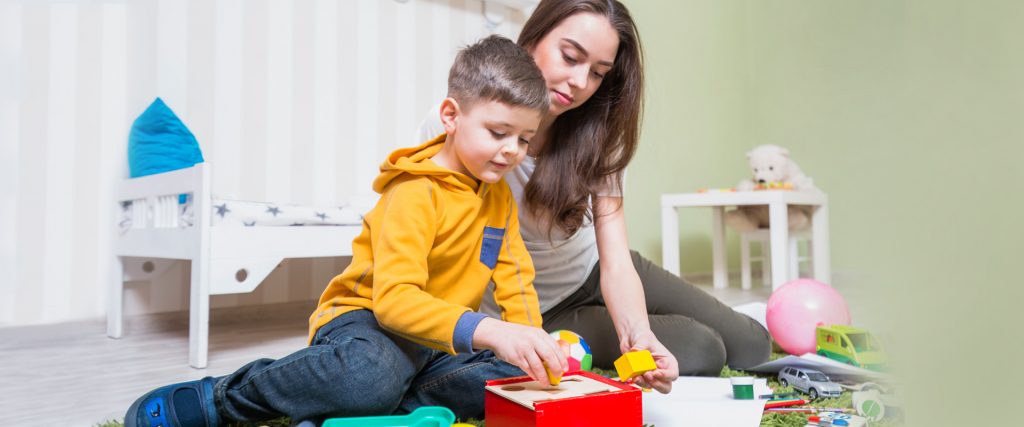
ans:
(762, 237)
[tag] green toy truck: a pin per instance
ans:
(851, 345)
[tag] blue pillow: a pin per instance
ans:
(160, 142)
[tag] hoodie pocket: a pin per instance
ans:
(491, 246)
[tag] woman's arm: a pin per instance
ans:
(620, 283)
(624, 293)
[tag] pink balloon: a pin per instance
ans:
(797, 308)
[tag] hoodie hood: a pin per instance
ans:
(416, 161)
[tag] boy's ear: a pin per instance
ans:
(450, 112)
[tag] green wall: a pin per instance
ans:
(697, 101)
(909, 114)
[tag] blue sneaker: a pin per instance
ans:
(187, 404)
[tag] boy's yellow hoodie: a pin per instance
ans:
(428, 250)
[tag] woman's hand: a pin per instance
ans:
(668, 367)
(527, 347)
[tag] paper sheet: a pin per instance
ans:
(827, 366)
(701, 401)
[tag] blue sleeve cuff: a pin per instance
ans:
(462, 339)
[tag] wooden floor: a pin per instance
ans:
(73, 375)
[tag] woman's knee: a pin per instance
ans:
(750, 348)
(698, 349)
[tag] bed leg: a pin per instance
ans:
(115, 302)
(199, 315)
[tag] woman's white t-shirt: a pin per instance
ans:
(562, 263)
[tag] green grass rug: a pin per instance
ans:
(768, 420)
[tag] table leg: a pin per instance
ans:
(670, 239)
(718, 247)
(778, 222)
(821, 256)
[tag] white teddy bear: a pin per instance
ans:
(771, 168)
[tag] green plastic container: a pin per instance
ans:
(426, 416)
(742, 388)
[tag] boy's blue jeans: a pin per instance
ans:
(354, 368)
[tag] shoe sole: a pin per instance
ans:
(134, 409)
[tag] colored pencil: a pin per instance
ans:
(784, 403)
(808, 410)
(776, 396)
(796, 410)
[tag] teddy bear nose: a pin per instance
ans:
(761, 181)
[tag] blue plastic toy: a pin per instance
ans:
(426, 416)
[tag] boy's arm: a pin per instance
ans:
(518, 339)
(405, 233)
(513, 276)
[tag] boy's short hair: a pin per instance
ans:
(497, 69)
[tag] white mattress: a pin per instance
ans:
(239, 213)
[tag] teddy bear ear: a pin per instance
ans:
(784, 152)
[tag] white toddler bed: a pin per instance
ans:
(227, 257)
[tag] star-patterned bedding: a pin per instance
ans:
(249, 214)
(241, 213)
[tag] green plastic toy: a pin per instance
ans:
(426, 416)
(851, 345)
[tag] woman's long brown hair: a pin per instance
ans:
(589, 145)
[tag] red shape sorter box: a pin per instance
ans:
(581, 399)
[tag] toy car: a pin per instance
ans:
(851, 345)
(814, 383)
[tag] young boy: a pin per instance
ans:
(398, 328)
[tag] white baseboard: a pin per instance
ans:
(285, 314)
(840, 279)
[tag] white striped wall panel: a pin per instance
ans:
(291, 101)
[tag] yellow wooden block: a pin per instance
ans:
(553, 378)
(634, 364)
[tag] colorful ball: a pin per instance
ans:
(580, 356)
(797, 308)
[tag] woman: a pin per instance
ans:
(569, 190)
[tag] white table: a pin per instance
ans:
(778, 202)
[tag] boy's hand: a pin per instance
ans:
(527, 347)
